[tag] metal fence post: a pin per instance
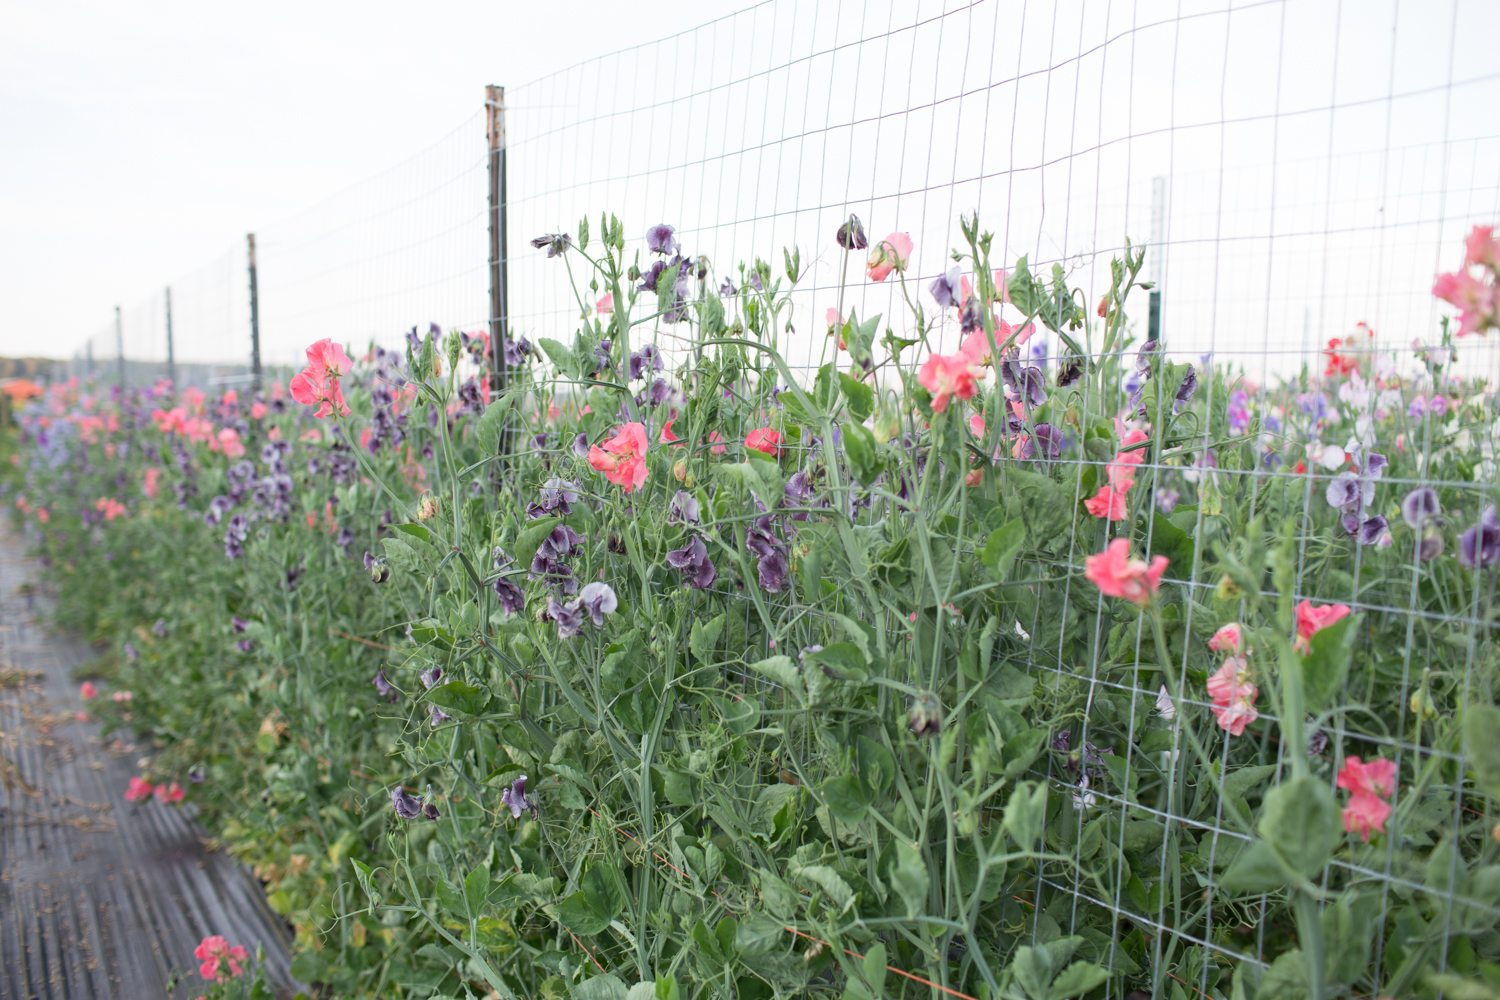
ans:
(1158, 253)
(494, 124)
(171, 355)
(254, 319)
(119, 349)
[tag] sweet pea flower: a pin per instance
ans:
(1228, 639)
(1479, 547)
(946, 376)
(1108, 503)
(661, 239)
(514, 798)
(318, 384)
(1313, 618)
(214, 954)
(891, 254)
(139, 790)
(1233, 695)
(169, 794)
(622, 459)
(87, 691)
(764, 440)
(851, 235)
(1116, 574)
(1369, 785)
(1420, 506)
(606, 304)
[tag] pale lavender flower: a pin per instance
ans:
(598, 599)
(514, 798)
(661, 239)
(1420, 506)
(1479, 547)
(683, 507)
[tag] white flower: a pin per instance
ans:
(1164, 706)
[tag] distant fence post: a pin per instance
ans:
(171, 355)
(494, 125)
(254, 319)
(119, 349)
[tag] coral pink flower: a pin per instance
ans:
(891, 254)
(1228, 639)
(716, 443)
(946, 376)
(974, 477)
(1369, 785)
(606, 304)
(229, 441)
(667, 435)
(149, 487)
(1233, 695)
(212, 951)
(1313, 618)
(257, 410)
(764, 440)
(622, 459)
(169, 794)
(87, 691)
(43, 515)
(836, 326)
(139, 790)
(1481, 247)
(976, 424)
(318, 383)
(1118, 575)
(110, 508)
(1478, 302)
(1109, 503)
(122, 697)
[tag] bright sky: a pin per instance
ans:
(1320, 161)
(142, 140)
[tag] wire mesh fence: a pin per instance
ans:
(1292, 170)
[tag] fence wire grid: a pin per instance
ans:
(1291, 168)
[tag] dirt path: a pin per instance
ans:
(98, 897)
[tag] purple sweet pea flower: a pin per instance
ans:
(770, 553)
(1238, 411)
(1186, 390)
(647, 359)
(661, 239)
(160, 628)
(1420, 506)
(581, 446)
(1371, 530)
(598, 599)
(514, 798)
(693, 562)
(659, 393)
(1479, 547)
(568, 617)
(1023, 382)
(431, 676)
(557, 497)
(512, 598)
(944, 288)
(407, 805)
(383, 687)
(553, 243)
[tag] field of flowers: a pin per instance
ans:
(1051, 666)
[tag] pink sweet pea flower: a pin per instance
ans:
(43, 515)
(318, 383)
(139, 790)
(667, 435)
(622, 459)
(1369, 785)
(764, 440)
(149, 486)
(1109, 503)
(257, 410)
(946, 376)
(229, 441)
(1118, 575)
(836, 326)
(1227, 639)
(169, 794)
(891, 254)
(1233, 695)
(716, 443)
(1481, 247)
(976, 424)
(212, 951)
(606, 304)
(87, 691)
(1313, 618)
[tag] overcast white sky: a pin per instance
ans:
(138, 141)
(1322, 159)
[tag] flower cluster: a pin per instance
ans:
(219, 961)
(1474, 289)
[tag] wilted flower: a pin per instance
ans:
(407, 805)
(770, 554)
(512, 598)
(926, 715)
(851, 235)
(553, 243)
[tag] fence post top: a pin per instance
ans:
(494, 116)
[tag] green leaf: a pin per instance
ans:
(1025, 812)
(859, 396)
(1300, 822)
(705, 636)
(600, 988)
(1254, 869)
(908, 876)
(530, 539)
(874, 967)
(862, 453)
(1002, 547)
(845, 797)
(1077, 979)
(1327, 663)
(560, 356)
(828, 880)
(877, 765)
(365, 877)
(597, 902)
(1482, 746)
(783, 671)
(476, 888)
(492, 423)
(460, 696)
